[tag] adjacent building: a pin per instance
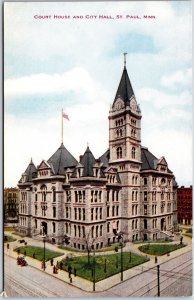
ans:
(11, 203)
(80, 202)
(184, 205)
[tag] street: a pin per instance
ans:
(175, 280)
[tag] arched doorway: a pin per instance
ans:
(163, 225)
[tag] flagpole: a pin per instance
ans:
(62, 126)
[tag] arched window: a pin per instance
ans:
(43, 190)
(119, 152)
(133, 152)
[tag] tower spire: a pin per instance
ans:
(125, 54)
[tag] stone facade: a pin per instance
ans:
(127, 189)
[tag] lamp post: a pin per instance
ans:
(94, 273)
(44, 240)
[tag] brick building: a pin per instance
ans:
(11, 203)
(184, 205)
(127, 188)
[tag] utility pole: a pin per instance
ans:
(158, 279)
(122, 260)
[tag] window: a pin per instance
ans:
(145, 209)
(75, 213)
(100, 213)
(54, 212)
(133, 152)
(145, 224)
(84, 214)
(79, 213)
(145, 181)
(92, 214)
(101, 226)
(145, 196)
(54, 227)
(119, 152)
(108, 227)
(108, 211)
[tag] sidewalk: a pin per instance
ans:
(83, 283)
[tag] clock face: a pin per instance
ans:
(133, 104)
(119, 104)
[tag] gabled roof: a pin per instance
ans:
(149, 161)
(62, 159)
(125, 90)
(31, 171)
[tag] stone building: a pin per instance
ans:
(127, 189)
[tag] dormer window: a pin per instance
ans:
(145, 181)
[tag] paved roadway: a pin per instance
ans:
(175, 280)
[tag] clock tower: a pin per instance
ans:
(125, 150)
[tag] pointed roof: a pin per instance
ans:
(104, 158)
(149, 161)
(62, 159)
(31, 171)
(88, 161)
(125, 90)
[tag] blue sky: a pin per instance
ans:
(77, 64)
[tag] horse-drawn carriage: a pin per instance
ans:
(21, 261)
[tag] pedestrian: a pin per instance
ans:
(156, 259)
(57, 265)
(61, 265)
(7, 246)
(181, 240)
(51, 261)
(18, 251)
(54, 269)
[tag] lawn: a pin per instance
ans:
(39, 252)
(106, 249)
(157, 249)
(8, 239)
(105, 265)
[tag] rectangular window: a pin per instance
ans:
(54, 212)
(92, 214)
(108, 211)
(145, 209)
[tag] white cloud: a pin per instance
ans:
(180, 78)
(176, 147)
(74, 80)
(160, 99)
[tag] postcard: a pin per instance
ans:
(97, 149)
